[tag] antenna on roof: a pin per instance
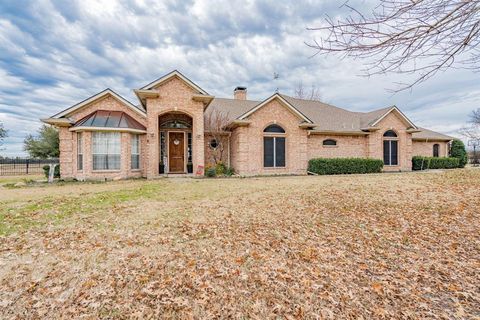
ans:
(275, 77)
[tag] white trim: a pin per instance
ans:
(81, 128)
(170, 75)
(388, 112)
(96, 97)
(268, 100)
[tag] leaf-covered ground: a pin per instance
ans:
(373, 246)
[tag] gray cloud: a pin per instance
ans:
(56, 53)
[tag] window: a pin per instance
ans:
(329, 142)
(106, 151)
(213, 144)
(436, 148)
(274, 129)
(390, 148)
(79, 152)
(135, 164)
(274, 147)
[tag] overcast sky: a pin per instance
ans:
(54, 54)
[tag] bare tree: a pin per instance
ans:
(312, 94)
(419, 37)
(216, 122)
(475, 117)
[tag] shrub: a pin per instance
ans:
(457, 150)
(56, 173)
(423, 163)
(229, 172)
(220, 169)
(344, 165)
(210, 172)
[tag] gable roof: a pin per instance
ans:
(280, 98)
(391, 109)
(174, 73)
(96, 97)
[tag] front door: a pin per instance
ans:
(176, 152)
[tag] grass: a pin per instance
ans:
(381, 245)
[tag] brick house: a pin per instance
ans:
(106, 136)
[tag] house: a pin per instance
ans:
(106, 136)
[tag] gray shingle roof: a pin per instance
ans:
(430, 135)
(324, 116)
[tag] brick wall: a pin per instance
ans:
(347, 146)
(422, 148)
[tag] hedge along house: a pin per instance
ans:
(170, 132)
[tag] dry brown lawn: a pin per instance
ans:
(373, 246)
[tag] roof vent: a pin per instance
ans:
(240, 93)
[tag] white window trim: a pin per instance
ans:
(120, 154)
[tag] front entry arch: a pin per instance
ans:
(175, 143)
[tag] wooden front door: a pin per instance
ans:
(176, 152)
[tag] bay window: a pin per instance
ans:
(106, 148)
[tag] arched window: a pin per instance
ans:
(436, 149)
(175, 124)
(390, 148)
(329, 142)
(390, 134)
(274, 146)
(273, 128)
(213, 144)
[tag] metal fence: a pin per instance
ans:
(23, 166)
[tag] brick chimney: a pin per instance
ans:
(240, 93)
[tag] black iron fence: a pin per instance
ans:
(21, 166)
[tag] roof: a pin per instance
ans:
(426, 134)
(325, 117)
(116, 120)
(168, 76)
(96, 97)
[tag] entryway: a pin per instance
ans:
(176, 154)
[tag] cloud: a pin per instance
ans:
(56, 53)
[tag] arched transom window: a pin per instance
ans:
(329, 142)
(390, 148)
(274, 146)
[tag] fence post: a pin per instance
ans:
(28, 163)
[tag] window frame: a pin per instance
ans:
(390, 139)
(136, 138)
(275, 136)
(118, 136)
(436, 150)
(329, 145)
(79, 151)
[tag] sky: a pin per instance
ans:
(54, 54)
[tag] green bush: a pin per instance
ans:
(210, 172)
(220, 169)
(423, 163)
(229, 172)
(344, 165)
(457, 150)
(56, 173)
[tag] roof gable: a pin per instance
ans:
(278, 97)
(390, 110)
(174, 73)
(96, 97)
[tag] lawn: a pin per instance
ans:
(382, 245)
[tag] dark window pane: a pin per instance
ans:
(390, 133)
(329, 142)
(394, 152)
(435, 150)
(268, 152)
(279, 152)
(386, 152)
(274, 129)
